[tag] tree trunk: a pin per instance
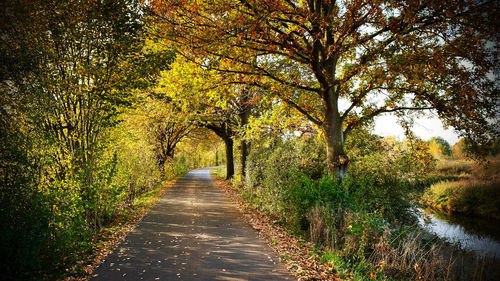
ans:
(244, 151)
(229, 158)
(216, 157)
(245, 145)
(337, 160)
(244, 116)
(226, 134)
(161, 164)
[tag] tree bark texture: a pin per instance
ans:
(244, 151)
(337, 160)
(245, 145)
(229, 157)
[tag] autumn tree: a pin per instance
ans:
(76, 53)
(209, 102)
(166, 127)
(459, 149)
(439, 147)
(341, 63)
(63, 73)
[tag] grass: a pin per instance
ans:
(471, 197)
(464, 186)
(412, 256)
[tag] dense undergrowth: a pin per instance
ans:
(363, 225)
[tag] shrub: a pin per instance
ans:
(41, 225)
(380, 176)
(179, 166)
(287, 179)
(273, 171)
(304, 193)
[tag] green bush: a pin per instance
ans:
(136, 170)
(288, 180)
(37, 232)
(180, 165)
(51, 211)
(304, 194)
(273, 171)
(381, 176)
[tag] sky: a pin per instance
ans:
(425, 128)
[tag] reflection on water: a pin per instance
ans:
(477, 234)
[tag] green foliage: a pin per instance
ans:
(287, 179)
(290, 180)
(305, 193)
(328, 257)
(220, 172)
(274, 170)
(180, 165)
(24, 212)
(439, 147)
(136, 169)
(49, 222)
(67, 167)
(383, 171)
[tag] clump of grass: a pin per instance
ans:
(450, 170)
(465, 186)
(470, 196)
(148, 199)
(411, 256)
(364, 247)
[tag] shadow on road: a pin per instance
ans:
(193, 233)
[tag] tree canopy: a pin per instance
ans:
(341, 63)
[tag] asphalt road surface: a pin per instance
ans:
(192, 233)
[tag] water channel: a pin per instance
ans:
(470, 233)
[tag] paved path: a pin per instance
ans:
(192, 233)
